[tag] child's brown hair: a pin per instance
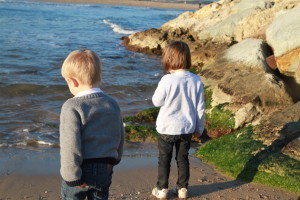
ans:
(84, 65)
(176, 56)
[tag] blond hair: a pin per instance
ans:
(84, 65)
(176, 56)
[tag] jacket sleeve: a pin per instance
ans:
(200, 110)
(70, 146)
(159, 96)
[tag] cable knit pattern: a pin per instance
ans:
(91, 127)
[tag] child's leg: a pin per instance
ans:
(98, 177)
(72, 193)
(165, 147)
(182, 157)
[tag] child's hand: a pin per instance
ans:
(197, 134)
(84, 185)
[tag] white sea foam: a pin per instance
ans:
(29, 143)
(117, 28)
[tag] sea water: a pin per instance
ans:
(36, 37)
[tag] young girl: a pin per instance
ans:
(181, 98)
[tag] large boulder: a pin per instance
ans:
(218, 21)
(264, 90)
(251, 5)
(225, 29)
(245, 81)
(256, 24)
(149, 41)
(283, 125)
(201, 19)
(249, 54)
(283, 35)
(251, 95)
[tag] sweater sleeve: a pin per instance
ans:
(70, 146)
(159, 96)
(200, 110)
(120, 148)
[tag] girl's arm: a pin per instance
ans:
(200, 111)
(159, 96)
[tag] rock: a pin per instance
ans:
(252, 5)
(283, 36)
(245, 115)
(263, 90)
(201, 19)
(290, 130)
(220, 97)
(271, 62)
(297, 75)
(225, 29)
(283, 124)
(293, 149)
(242, 77)
(256, 24)
(286, 115)
(250, 53)
(150, 41)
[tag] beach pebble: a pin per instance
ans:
(202, 179)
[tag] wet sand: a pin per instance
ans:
(34, 174)
(134, 3)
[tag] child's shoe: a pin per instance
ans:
(160, 194)
(181, 193)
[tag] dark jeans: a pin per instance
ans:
(97, 176)
(182, 145)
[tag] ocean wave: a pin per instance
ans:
(29, 143)
(117, 28)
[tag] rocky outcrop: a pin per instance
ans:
(150, 41)
(255, 25)
(247, 52)
(244, 78)
(265, 93)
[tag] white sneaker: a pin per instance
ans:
(160, 194)
(182, 193)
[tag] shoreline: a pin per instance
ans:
(31, 175)
(138, 3)
(205, 183)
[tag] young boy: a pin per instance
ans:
(91, 130)
(181, 98)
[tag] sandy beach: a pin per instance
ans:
(32, 175)
(134, 3)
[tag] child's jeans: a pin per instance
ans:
(97, 176)
(182, 145)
